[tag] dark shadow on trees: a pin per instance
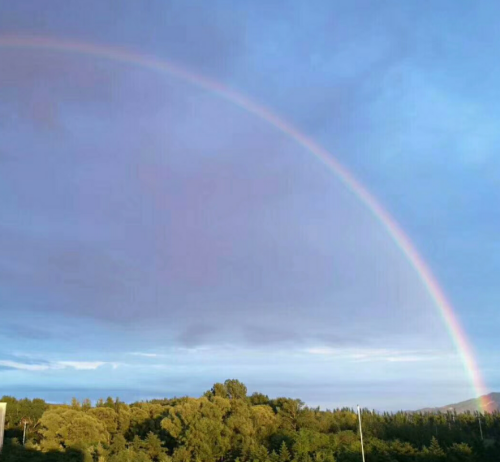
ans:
(151, 425)
(143, 428)
(18, 453)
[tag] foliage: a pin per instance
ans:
(226, 424)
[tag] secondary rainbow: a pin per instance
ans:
(386, 220)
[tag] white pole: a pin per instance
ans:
(24, 432)
(3, 408)
(361, 435)
(480, 427)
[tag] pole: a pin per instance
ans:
(361, 435)
(24, 432)
(3, 409)
(480, 427)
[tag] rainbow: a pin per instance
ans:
(404, 243)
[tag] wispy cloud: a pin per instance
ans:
(321, 351)
(145, 355)
(86, 365)
(23, 364)
(370, 354)
(15, 365)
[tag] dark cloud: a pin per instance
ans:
(198, 35)
(224, 228)
(262, 335)
(23, 331)
(21, 359)
(196, 334)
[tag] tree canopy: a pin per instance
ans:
(226, 424)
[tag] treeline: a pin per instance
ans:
(226, 425)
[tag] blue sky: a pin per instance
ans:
(155, 238)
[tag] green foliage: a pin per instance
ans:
(17, 410)
(235, 389)
(259, 398)
(107, 416)
(86, 404)
(65, 428)
(285, 455)
(227, 425)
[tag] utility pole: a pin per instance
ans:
(361, 435)
(480, 427)
(3, 409)
(25, 421)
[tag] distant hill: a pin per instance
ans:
(471, 405)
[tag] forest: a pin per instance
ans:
(228, 425)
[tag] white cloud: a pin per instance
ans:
(378, 354)
(145, 355)
(321, 351)
(409, 359)
(24, 366)
(86, 365)
(57, 365)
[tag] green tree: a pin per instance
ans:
(434, 453)
(107, 416)
(235, 389)
(67, 428)
(258, 398)
(459, 452)
(220, 390)
(154, 447)
(86, 404)
(75, 404)
(198, 425)
(285, 455)
(118, 444)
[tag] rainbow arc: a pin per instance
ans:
(402, 241)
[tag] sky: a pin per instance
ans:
(156, 238)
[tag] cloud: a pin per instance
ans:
(15, 365)
(196, 334)
(40, 87)
(263, 335)
(82, 365)
(324, 351)
(26, 363)
(142, 214)
(178, 218)
(145, 355)
(386, 355)
(18, 330)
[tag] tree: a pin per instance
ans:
(285, 455)
(198, 425)
(63, 428)
(434, 453)
(264, 420)
(459, 452)
(288, 412)
(258, 398)
(220, 390)
(154, 447)
(86, 404)
(235, 389)
(227, 426)
(107, 416)
(118, 444)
